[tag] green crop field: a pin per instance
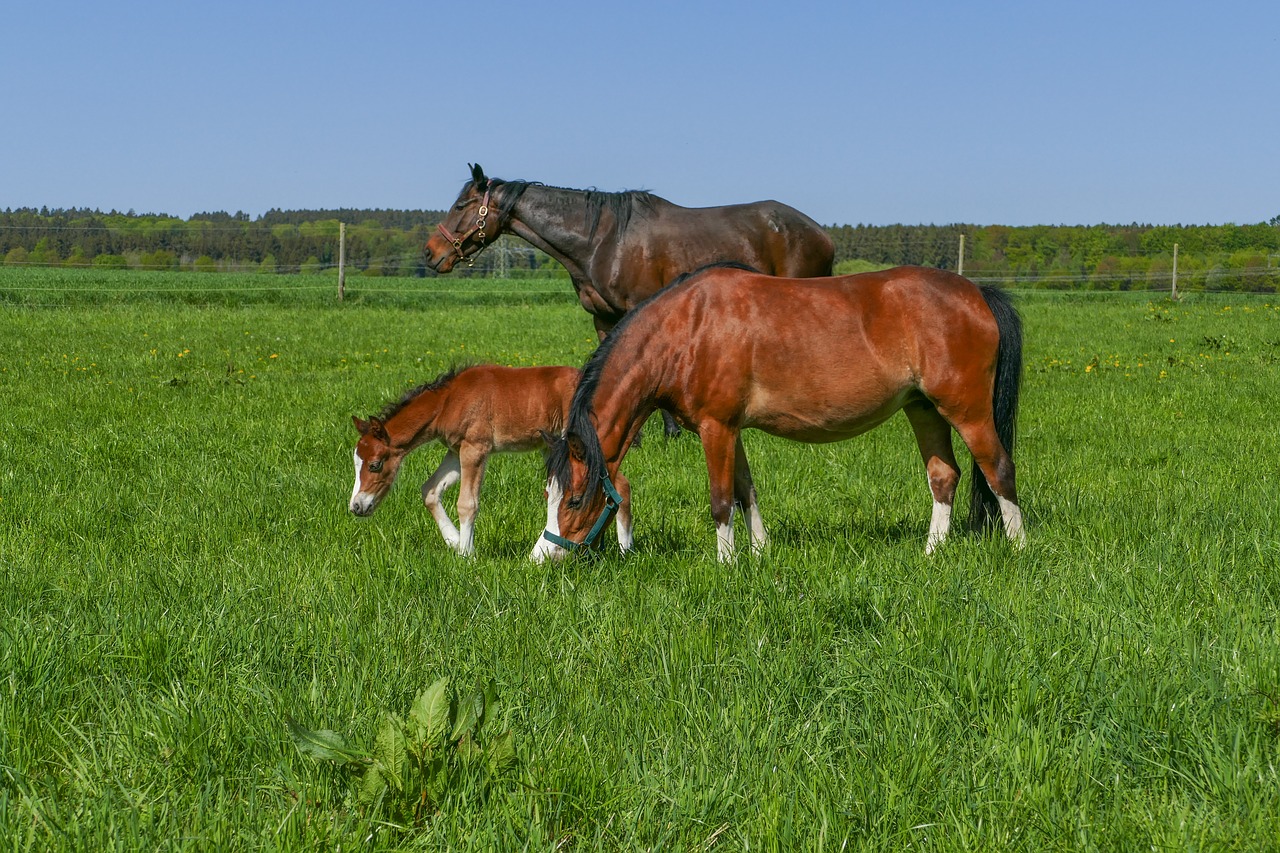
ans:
(181, 580)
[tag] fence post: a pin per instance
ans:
(960, 263)
(1174, 292)
(342, 261)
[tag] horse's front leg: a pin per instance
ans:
(623, 518)
(474, 458)
(744, 493)
(445, 476)
(718, 445)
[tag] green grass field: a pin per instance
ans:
(181, 576)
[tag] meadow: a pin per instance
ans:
(181, 577)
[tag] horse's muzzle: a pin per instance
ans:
(363, 504)
(544, 549)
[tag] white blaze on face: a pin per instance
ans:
(361, 503)
(544, 548)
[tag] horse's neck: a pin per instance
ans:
(414, 425)
(554, 220)
(624, 399)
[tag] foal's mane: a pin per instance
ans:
(579, 423)
(621, 204)
(393, 408)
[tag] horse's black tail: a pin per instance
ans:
(983, 507)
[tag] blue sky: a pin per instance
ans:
(855, 112)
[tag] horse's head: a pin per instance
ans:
(581, 500)
(377, 461)
(467, 227)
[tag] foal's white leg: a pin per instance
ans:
(1011, 515)
(444, 477)
(759, 539)
(724, 538)
(473, 464)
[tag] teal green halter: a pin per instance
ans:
(612, 500)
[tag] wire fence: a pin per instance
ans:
(508, 258)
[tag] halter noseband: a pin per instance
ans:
(477, 230)
(612, 500)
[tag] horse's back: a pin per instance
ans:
(509, 407)
(915, 292)
(769, 236)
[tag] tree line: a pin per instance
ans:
(389, 242)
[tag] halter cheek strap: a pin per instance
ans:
(477, 231)
(612, 500)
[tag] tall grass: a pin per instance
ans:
(180, 575)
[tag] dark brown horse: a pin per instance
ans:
(621, 248)
(813, 360)
(473, 412)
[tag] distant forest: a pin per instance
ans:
(389, 242)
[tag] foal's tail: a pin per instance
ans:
(983, 507)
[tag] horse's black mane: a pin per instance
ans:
(393, 408)
(579, 423)
(621, 204)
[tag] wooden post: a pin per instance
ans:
(1174, 293)
(342, 260)
(960, 263)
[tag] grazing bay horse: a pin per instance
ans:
(621, 248)
(473, 412)
(812, 360)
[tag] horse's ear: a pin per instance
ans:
(577, 449)
(379, 430)
(361, 426)
(477, 175)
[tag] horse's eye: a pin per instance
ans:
(575, 501)
(375, 466)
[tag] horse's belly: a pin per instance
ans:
(815, 419)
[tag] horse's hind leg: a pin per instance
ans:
(933, 437)
(996, 465)
(445, 476)
(744, 494)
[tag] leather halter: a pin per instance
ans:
(477, 231)
(612, 500)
